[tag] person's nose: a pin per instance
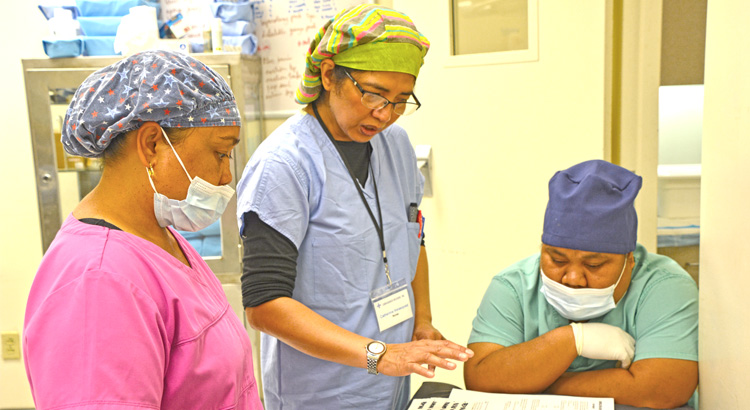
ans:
(226, 173)
(383, 114)
(574, 277)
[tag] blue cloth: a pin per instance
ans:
(91, 8)
(99, 45)
(56, 48)
(99, 26)
(247, 44)
(170, 88)
(229, 11)
(48, 9)
(238, 28)
(297, 183)
(206, 241)
(660, 310)
(590, 208)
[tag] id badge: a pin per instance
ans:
(392, 304)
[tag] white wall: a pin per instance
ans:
(498, 133)
(725, 195)
(22, 29)
(680, 124)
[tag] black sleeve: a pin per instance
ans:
(269, 263)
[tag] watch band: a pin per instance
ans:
(375, 351)
(372, 365)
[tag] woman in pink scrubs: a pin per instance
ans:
(123, 312)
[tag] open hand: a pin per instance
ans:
(403, 359)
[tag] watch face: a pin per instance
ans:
(376, 348)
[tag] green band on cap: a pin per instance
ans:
(366, 37)
(398, 57)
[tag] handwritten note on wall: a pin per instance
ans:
(284, 32)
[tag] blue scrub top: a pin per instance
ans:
(297, 183)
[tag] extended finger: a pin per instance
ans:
(449, 350)
(422, 371)
(432, 361)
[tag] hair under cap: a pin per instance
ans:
(365, 37)
(591, 208)
(172, 89)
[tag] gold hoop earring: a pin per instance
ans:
(150, 170)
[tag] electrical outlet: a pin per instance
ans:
(11, 345)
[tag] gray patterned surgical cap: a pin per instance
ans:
(172, 89)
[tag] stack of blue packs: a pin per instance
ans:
(98, 20)
(238, 25)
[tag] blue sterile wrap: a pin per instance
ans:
(238, 28)
(63, 48)
(247, 44)
(91, 8)
(99, 26)
(170, 88)
(99, 46)
(49, 10)
(229, 11)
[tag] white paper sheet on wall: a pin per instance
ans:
(284, 32)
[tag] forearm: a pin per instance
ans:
(296, 325)
(303, 329)
(528, 367)
(421, 288)
(653, 383)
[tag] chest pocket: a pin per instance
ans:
(415, 243)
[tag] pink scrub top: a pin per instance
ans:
(115, 322)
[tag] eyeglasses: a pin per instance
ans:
(376, 102)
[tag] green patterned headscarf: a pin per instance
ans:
(365, 37)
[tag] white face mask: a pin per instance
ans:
(579, 304)
(203, 205)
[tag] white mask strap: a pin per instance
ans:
(623, 271)
(175, 154)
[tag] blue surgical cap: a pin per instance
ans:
(172, 89)
(591, 208)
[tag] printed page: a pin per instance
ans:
(447, 404)
(498, 401)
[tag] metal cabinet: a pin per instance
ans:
(63, 180)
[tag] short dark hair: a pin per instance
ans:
(113, 151)
(339, 76)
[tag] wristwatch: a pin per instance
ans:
(375, 350)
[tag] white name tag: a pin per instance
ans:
(392, 304)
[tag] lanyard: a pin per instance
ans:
(378, 227)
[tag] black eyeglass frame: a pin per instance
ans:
(387, 101)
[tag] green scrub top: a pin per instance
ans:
(660, 310)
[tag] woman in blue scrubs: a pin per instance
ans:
(335, 270)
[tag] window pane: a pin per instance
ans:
(489, 26)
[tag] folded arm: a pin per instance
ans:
(653, 383)
(540, 365)
(528, 367)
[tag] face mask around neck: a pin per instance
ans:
(579, 304)
(202, 206)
